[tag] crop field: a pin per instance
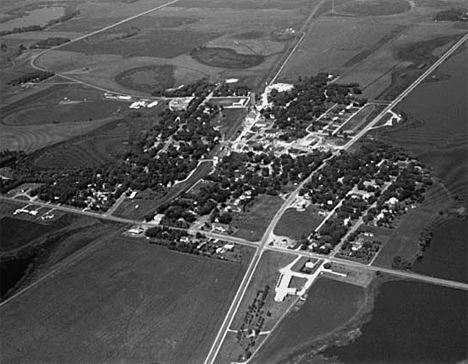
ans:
(373, 7)
(15, 233)
(94, 149)
(364, 46)
(32, 138)
(21, 230)
(253, 223)
(296, 225)
(332, 41)
(61, 104)
(330, 305)
(127, 301)
(162, 43)
(438, 132)
(168, 37)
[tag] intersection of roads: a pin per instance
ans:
(263, 244)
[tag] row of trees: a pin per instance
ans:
(36, 28)
(165, 153)
(36, 76)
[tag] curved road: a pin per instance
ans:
(35, 57)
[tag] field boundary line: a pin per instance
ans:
(61, 265)
(123, 21)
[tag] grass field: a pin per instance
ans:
(266, 274)
(44, 118)
(127, 301)
(61, 104)
(362, 118)
(231, 122)
(439, 134)
(331, 304)
(167, 37)
(373, 8)
(253, 223)
(404, 240)
(226, 58)
(147, 79)
(296, 225)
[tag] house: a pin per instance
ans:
(219, 228)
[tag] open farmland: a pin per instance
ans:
(128, 301)
(363, 44)
(153, 39)
(94, 149)
(55, 114)
(61, 104)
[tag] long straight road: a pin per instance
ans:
(407, 91)
(251, 269)
(126, 20)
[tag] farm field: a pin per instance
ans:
(22, 230)
(127, 301)
(55, 114)
(92, 150)
(439, 133)
(168, 37)
(362, 42)
(65, 103)
(253, 223)
(330, 305)
(296, 225)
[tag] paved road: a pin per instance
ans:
(407, 91)
(251, 269)
(394, 272)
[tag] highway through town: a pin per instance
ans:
(407, 91)
(263, 244)
(254, 263)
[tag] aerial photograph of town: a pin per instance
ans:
(243, 181)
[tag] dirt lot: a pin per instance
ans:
(126, 302)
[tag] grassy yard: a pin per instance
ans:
(266, 275)
(253, 223)
(128, 302)
(331, 304)
(404, 240)
(295, 224)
